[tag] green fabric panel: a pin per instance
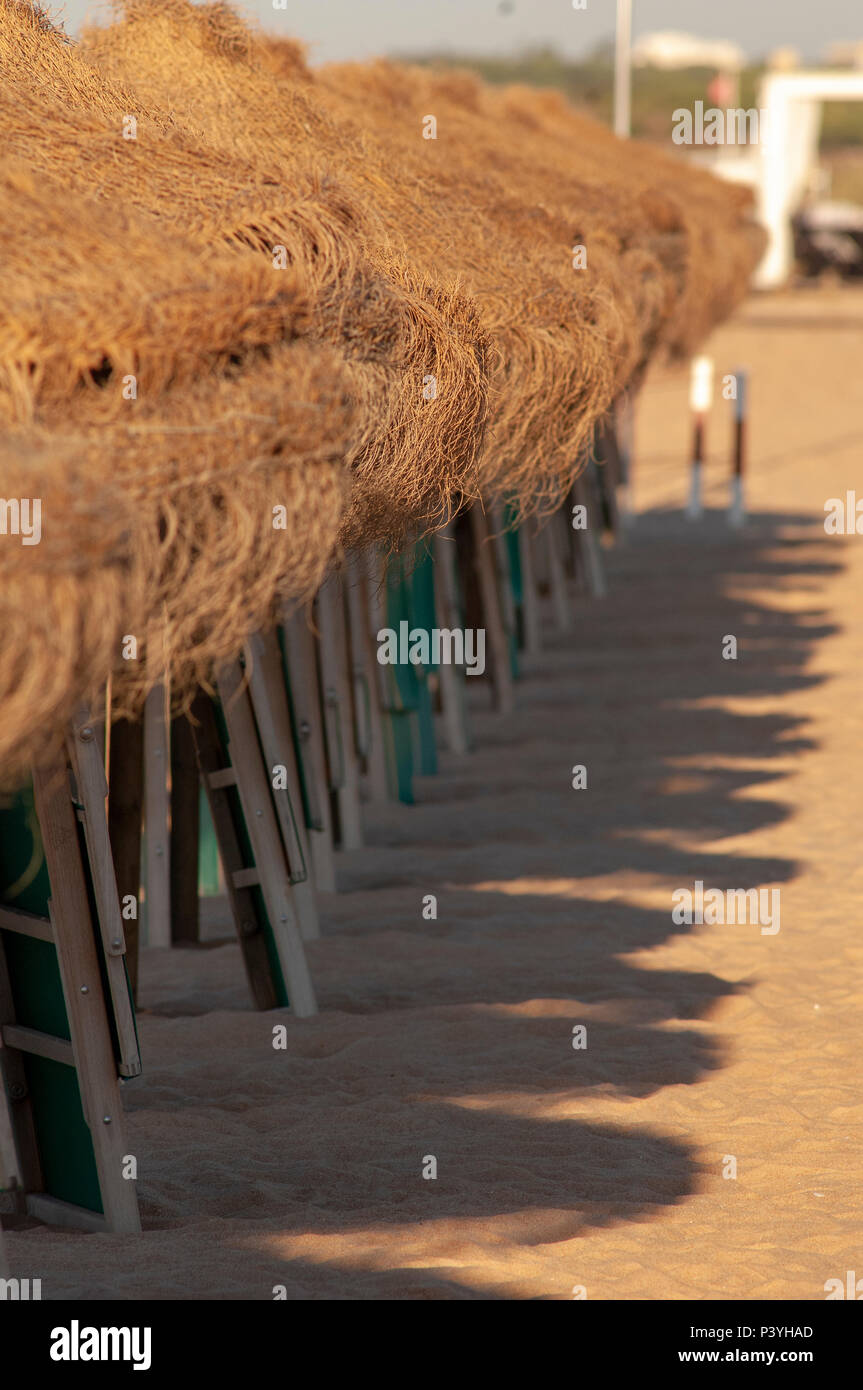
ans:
(208, 850)
(65, 1147)
(400, 722)
(515, 567)
(425, 718)
(23, 871)
(398, 611)
(37, 990)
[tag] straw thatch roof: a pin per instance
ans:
(495, 204)
(157, 454)
(282, 263)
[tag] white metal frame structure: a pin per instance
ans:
(792, 103)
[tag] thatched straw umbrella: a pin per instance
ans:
(185, 439)
(303, 382)
(702, 228)
(559, 344)
(495, 204)
(403, 324)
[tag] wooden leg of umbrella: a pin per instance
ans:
(338, 721)
(531, 627)
(185, 834)
(241, 877)
(308, 722)
(483, 558)
(273, 717)
(90, 1049)
(125, 811)
(367, 702)
(556, 541)
(273, 874)
(157, 810)
(594, 570)
(503, 570)
(452, 680)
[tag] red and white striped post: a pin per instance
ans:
(700, 400)
(737, 507)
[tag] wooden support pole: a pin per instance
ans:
(557, 545)
(364, 667)
(338, 721)
(185, 834)
(254, 789)
(10, 1164)
(84, 998)
(588, 539)
(125, 810)
(157, 810)
(244, 909)
(308, 716)
(700, 400)
(625, 434)
(85, 755)
(530, 614)
(607, 471)
(503, 570)
(20, 1164)
(737, 507)
(273, 718)
(492, 615)
(452, 680)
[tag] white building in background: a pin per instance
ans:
(673, 50)
(845, 55)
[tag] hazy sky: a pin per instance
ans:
(337, 29)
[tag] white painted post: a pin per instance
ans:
(790, 103)
(623, 70)
(700, 398)
(737, 509)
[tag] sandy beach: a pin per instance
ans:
(598, 1168)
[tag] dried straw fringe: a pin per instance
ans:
(303, 388)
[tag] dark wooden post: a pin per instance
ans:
(185, 834)
(125, 805)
